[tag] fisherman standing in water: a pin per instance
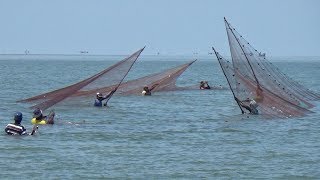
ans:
(39, 118)
(252, 107)
(204, 85)
(146, 91)
(16, 128)
(100, 98)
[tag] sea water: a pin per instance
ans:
(170, 135)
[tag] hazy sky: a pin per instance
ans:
(277, 27)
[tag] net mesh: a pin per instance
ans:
(251, 75)
(162, 81)
(251, 64)
(112, 79)
(112, 76)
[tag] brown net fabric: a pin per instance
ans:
(270, 104)
(162, 81)
(251, 75)
(112, 76)
(249, 62)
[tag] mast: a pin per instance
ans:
(227, 80)
(125, 75)
(53, 97)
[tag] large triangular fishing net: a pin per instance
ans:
(257, 78)
(112, 76)
(162, 81)
(270, 104)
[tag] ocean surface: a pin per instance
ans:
(170, 135)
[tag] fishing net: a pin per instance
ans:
(162, 81)
(251, 75)
(271, 105)
(111, 79)
(112, 76)
(250, 63)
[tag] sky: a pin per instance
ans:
(168, 27)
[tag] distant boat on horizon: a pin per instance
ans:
(84, 52)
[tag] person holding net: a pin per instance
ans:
(39, 118)
(146, 91)
(100, 98)
(249, 104)
(16, 128)
(204, 85)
